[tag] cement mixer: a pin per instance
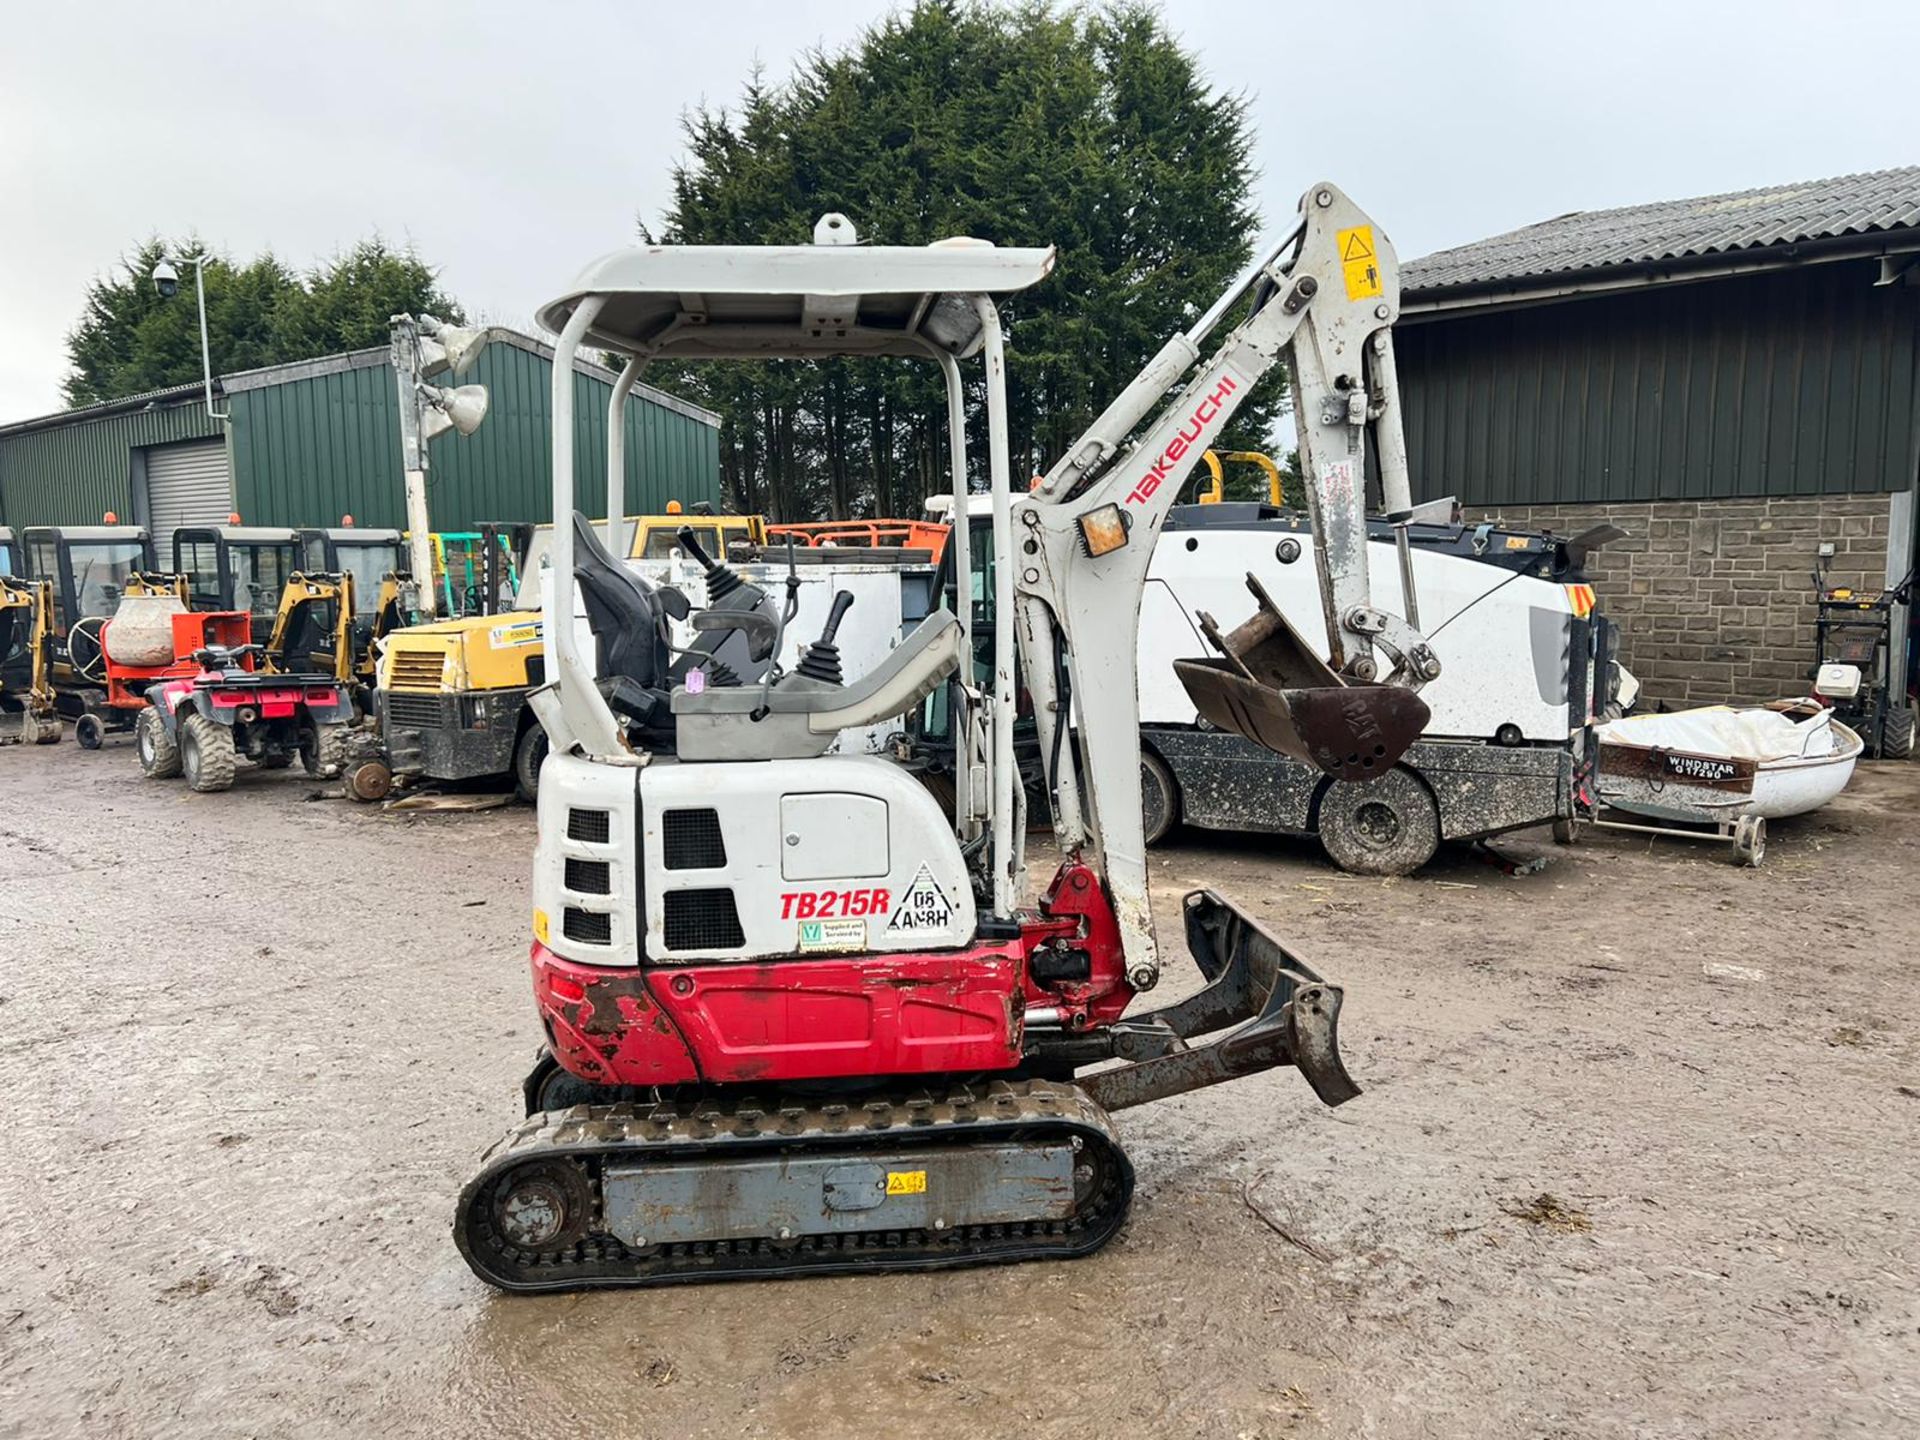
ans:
(150, 638)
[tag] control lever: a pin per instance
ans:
(721, 581)
(792, 608)
(822, 660)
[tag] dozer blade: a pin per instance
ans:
(1271, 688)
(1281, 1012)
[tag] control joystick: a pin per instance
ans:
(822, 660)
(721, 581)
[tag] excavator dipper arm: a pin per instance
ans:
(1084, 538)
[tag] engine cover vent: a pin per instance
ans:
(589, 927)
(588, 825)
(702, 920)
(589, 877)
(693, 840)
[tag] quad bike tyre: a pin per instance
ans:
(1159, 798)
(323, 750)
(528, 752)
(1389, 826)
(1896, 736)
(206, 755)
(159, 755)
(89, 732)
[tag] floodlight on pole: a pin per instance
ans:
(461, 408)
(423, 346)
(448, 347)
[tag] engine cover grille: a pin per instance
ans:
(421, 712)
(588, 825)
(693, 840)
(703, 920)
(589, 877)
(589, 927)
(417, 669)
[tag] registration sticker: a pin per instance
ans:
(833, 935)
(514, 635)
(906, 1182)
(923, 908)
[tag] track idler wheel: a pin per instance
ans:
(542, 1206)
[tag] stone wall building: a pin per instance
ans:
(1734, 381)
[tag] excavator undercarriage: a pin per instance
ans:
(689, 1182)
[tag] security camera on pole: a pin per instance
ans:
(166, 283)
(422, 348)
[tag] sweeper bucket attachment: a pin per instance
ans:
(1271, 688)
(1281, 1013)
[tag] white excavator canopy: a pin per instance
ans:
(744, 302)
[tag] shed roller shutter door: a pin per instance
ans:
(186, 485)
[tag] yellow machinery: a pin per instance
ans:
(26, 662)
(1215, 489)
(452, 699)
(656, 536)
(313, 630)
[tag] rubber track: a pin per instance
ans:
(733, 1128)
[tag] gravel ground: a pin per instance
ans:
(1636, 1158)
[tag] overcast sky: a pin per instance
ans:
(458, 126)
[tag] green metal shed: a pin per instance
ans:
(306, 443)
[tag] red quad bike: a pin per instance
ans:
(200, 723)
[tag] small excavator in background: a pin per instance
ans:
(29, 713)
(799, 1020)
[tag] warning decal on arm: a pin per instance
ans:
(923, 908)
(1359, 263)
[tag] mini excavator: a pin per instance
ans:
(800, 1020)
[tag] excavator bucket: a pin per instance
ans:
(1268, 686)
(1280, 1011)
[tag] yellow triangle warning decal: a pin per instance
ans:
(1359, 245)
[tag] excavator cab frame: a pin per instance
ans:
(90, 568)
(312, 629)
(1215, 490)
(237, 567)
(376, 559)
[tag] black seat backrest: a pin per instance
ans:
(622, 611)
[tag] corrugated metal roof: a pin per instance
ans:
(240, 381)
(1868, 205)
(102, 408)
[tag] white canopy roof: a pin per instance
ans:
(747, 301)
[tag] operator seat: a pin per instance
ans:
(623, 611)
(628, 621)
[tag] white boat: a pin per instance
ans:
(1720, 763)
